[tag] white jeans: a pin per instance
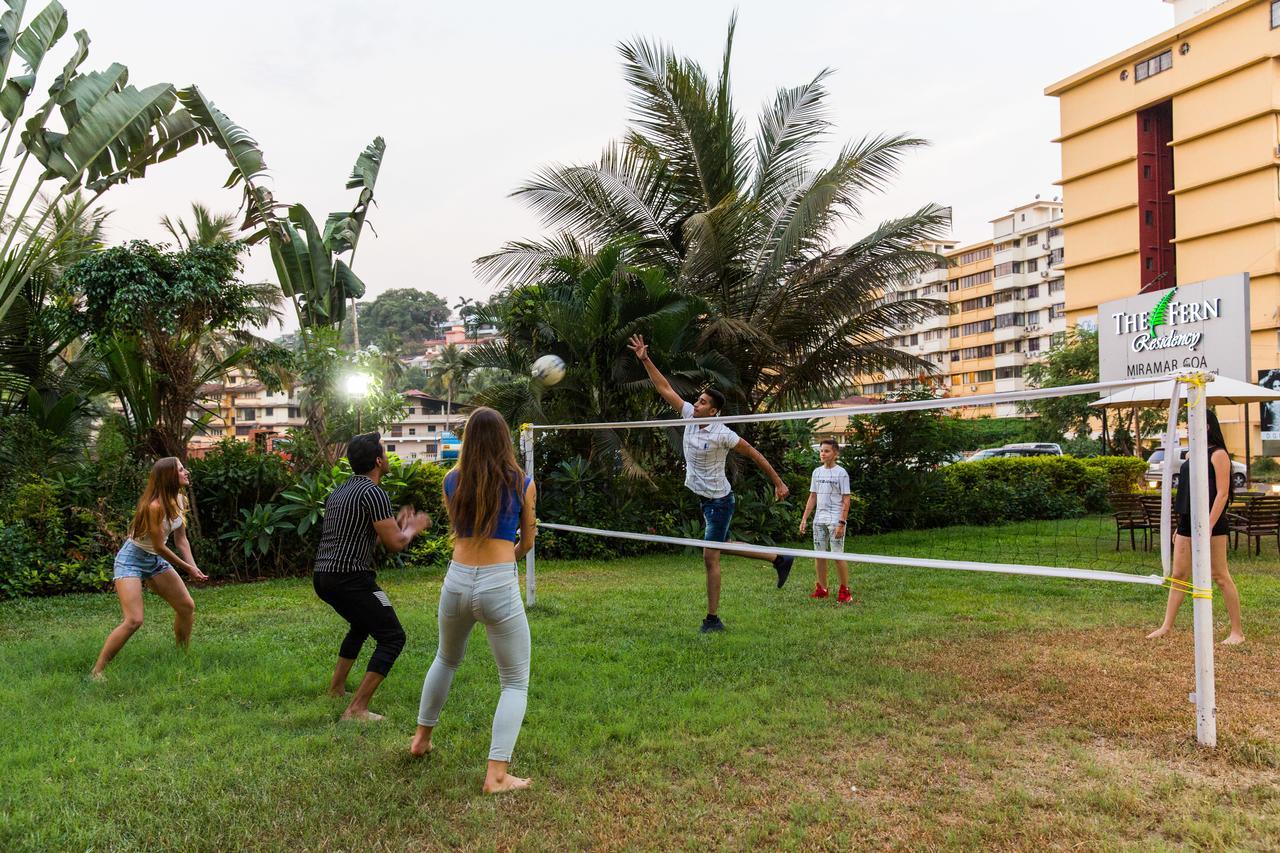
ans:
(489, 595)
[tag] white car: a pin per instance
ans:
(1023, 449)
(1155, 468)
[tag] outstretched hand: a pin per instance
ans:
(781, 491)
(639, 347)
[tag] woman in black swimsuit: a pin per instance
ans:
(1219, 499)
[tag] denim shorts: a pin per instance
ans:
(825, 538)
(717, 513)
(133, 562)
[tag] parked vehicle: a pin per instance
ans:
(1155, 467)
(1022, 449)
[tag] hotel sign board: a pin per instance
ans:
(1192, 327)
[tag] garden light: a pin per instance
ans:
(356, 384)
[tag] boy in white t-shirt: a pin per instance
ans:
(829, 495)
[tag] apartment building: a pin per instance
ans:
(1170, 166)
(1006, 307)
(246, 410)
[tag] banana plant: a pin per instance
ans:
(113, 132)
(312, 276)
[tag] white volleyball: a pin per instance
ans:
(549, 369)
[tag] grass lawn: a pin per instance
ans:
(945, 710)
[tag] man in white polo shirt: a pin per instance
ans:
(706, 448)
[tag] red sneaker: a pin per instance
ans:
(844, 596)
(819, 591)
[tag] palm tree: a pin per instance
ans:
(749, 225)
(450, 369)
(46, 371)
(584, 308)
(207, 229)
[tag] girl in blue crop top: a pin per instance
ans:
(491, 507)
(509, 512)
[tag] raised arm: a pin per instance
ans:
(660, 383)
(744, 447)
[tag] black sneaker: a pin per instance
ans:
(712, 623)
(783, 566)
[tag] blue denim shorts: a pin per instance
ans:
(717, 513)
(133, 562)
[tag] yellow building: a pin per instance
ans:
(1171, 168)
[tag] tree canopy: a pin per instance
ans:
(411, 315)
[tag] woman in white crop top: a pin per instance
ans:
(146, 557)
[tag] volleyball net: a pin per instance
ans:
(935, 484)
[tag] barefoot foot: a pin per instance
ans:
(363, 716)
(1157, 633)
(420, 745)
(99, 676)
(336, 693)
(1233, 640)
(506, 783)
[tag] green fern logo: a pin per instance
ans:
(1160, 314)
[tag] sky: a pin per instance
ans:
(473, 98)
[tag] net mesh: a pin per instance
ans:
(932, 481)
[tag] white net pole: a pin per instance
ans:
(1166, 481)
(1201, 568)
(530, 580)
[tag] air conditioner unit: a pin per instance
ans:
(1044, 273)
(1044, 246)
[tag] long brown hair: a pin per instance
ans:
(162, 485)
(486, 474)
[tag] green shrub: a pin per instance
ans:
(1265, 468)
(1122, 473)
(1023, 488)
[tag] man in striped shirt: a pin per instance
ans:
(706, 450)
(357, 514)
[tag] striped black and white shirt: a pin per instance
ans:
(347, 539)
(705, 450)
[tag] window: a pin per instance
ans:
(1054, 232)
(413, 431)
(1275, 14)
(243, 430)
(985, 376)
(1162, 62)
(268, 412)
(1058, 309)
(1157, 227)
(1014, 372)
(972, 328)
(411, 410)
(1031, 292)
(1033, 265)
(431, 427)
(972, 280)
(397, 431)
(1055, 257)
(1009, 295)
(1033, 345)
(1004, 321)
(976, 255)
(1056, 286)
(1004, 269)
(247, 414)
(293, 411)
(391, 448)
